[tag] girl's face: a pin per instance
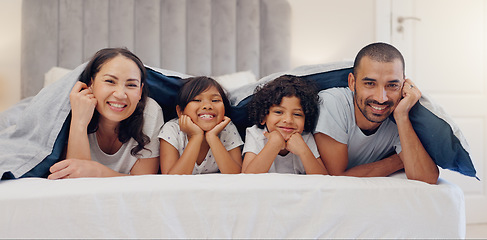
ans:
(117, 88)
(286, 118)
(206, 110)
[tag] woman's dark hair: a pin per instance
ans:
(193, 86)
(285, 86)
(132, 126)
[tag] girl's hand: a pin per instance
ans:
(217, 129)
(275, 138)
(189, 127)
(296, 144)
(75, 168)
(83, 104)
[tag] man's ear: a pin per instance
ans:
(351, 81)
(178, 111)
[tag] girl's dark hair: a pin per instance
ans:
(193, 86)
(132, 126)
(285, 86)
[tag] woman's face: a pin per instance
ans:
(117, 88)
(207, 109)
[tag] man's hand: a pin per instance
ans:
(411, 95)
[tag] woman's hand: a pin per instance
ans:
(75, 168)
(83, 104)
(189, 127)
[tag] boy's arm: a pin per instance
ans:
(298, 146)
(262, 162)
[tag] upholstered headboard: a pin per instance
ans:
(197, 37)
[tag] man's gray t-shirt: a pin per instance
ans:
(337, 120)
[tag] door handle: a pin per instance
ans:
(400, 21)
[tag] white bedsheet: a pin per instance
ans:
(231, 206)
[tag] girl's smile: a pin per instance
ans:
(207, 109)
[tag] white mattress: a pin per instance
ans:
(231, 206)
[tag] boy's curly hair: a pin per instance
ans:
(285, 86)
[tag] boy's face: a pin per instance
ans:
(286, 118)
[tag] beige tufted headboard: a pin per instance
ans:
(197, 37)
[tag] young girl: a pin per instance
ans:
(203, 139)
(114, 124)
(284, 112)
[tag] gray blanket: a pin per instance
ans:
(29, 129)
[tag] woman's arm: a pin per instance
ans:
(76, 168)
(83, 105)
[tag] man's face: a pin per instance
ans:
(378, 90)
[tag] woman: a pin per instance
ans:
(114, 125)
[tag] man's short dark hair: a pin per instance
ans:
(380, 52)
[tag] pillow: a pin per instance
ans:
(235, 80)
(440, 136)
(54, 74)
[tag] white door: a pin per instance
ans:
(444, 43)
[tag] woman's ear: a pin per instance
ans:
(178, 111)
(90, 84)
(141, 89)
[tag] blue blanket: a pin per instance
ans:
(34, 133)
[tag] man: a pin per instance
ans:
(355, 135)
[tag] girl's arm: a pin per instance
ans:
(262, 162)
(171, 163)
(145, 166)
(298, 146)
(83, 105)
(227, 161)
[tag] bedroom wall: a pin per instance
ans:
(10, 52)
(330, 30)
(321, 32)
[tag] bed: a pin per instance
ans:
(220, 38)
(238, 206)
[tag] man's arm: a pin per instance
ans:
(335, 157)
(418, 164)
